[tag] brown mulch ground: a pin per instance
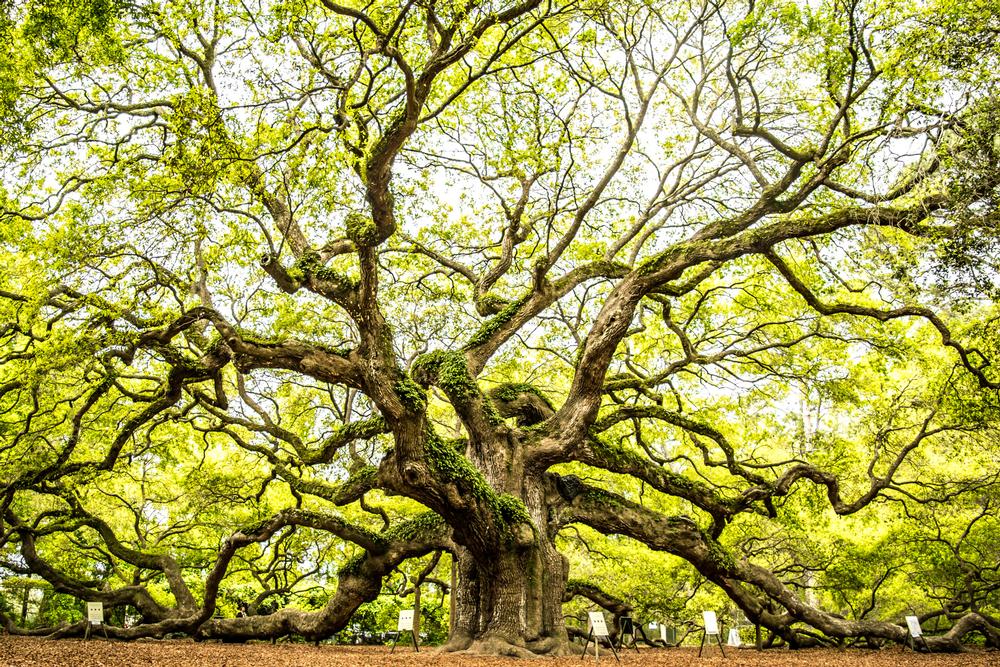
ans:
(18, 651)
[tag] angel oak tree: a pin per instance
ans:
(512, 260)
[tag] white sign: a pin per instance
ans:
(405, 620)
(663, 633)
(711, 622)
(597, 624)
(95, 612)
(734, 637)
(914, 624)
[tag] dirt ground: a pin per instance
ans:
(18, 651)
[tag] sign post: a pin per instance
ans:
(597, 629)
(95, 618)
(711, 628)
(405, 624)
(916, 633)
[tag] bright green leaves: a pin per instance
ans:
(14, 61)
(203, 146)
(62, 30)
(40, 34)
(784, 17)
(971, 159)
(961, 34)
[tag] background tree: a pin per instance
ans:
(287, 280)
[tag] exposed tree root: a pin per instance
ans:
(495, 645)
(553, 647)
(459, 641)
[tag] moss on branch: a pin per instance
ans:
(352, 566)
(450, 371)
(452, 467)
(658, 261)
(495, 323)
(447, 370)
(413, 396)
(311, 265)
(361, 230)
(412, 529)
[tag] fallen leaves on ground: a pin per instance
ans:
(22, 651)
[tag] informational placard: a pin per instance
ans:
(405, 621)
(95, 613)
(734, 638)
(711, 622)
(913, 623)
(598, 626)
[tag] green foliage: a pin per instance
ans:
(546, 170)
(58, 28)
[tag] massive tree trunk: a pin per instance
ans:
(511, 604)
(510, 577)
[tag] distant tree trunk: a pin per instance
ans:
(453, 596)
(25, 594)
(416, 610)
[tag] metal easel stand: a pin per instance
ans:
(413, 635)
(718, 638)
(597, 650)
(629, 629)
(90, 626)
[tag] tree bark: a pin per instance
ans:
(510, 603)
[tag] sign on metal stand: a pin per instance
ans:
(405, 624)
(95, 618)
(597, 629)
(626, 626)
(668, 635)
(711, 628)
(916, 633)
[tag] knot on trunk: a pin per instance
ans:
(522, 536)
(569, 487)
(411, 474)
(523, 401)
